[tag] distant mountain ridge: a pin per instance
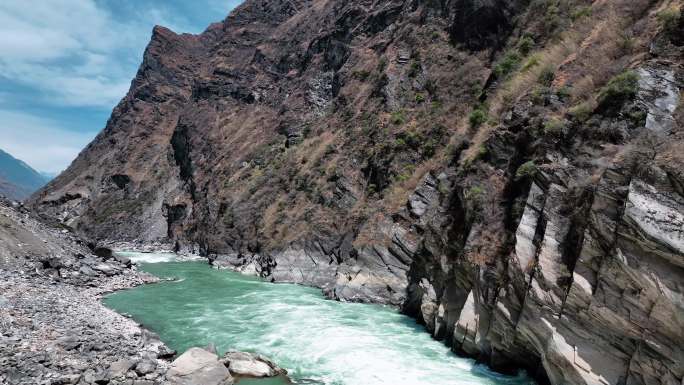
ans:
(17, 179)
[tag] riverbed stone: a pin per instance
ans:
(145, 367)
(198, 367)
(120, 367)
(250, 365)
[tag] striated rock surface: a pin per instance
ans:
(509, 173)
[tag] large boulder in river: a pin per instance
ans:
(251, 365)
(198, 367)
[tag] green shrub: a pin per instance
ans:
(554, 127)
(409, 139)
(618, 91)
(361, 75)
(398, 117)
(669, 20)
(525, 45)
(429, 148)
(478, 117)
(526, 170)
(382, 63)
(435, 106)
(581, 13)
(547, 75)
(420, 98)
(581, 112)
(538, 95)
(475, 194)
(563, 92)
(306, 131)
(414, 70)
(533, 61)
(638, 117)
(507, 65)
(552, 19)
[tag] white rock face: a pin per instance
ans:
(658, 91)
(525, 250)
(659, 216)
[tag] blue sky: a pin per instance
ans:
(64, 64)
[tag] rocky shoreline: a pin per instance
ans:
(55, 330)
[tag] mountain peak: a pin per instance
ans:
(17, 179)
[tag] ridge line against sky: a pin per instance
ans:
(64, 64)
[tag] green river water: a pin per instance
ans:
(318, 341)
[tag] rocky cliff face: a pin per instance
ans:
(508, 172)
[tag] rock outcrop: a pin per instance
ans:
(201, 367)
(507, 172)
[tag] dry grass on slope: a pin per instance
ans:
(606, 38)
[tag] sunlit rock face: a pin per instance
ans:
(509, 174)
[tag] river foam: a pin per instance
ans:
(160, 257)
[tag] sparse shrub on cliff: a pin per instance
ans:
(509, 63)
(554, 127)
(563, 93)
(581, 112)
(478, 117)
(669, 20)
(618, 91)
(539, 95)
(361, 75)
(547, 75)
(382, 63)
(306, 131)
(415, 69)
(525, 45)
(526, 170)
(475, 195)
(398, 117)
(533, 61)
(638, 117)
(581, 13)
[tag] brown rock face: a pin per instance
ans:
(507, 172)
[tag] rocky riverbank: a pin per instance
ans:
(54, 329)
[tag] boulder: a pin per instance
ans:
(145, 367)
(123, 260)
(251, 365)
(120, 367)
(198, 367)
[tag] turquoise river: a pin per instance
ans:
(319, 341)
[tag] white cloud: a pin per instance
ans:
(41, 143)
(73, 52)
(68, 54)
